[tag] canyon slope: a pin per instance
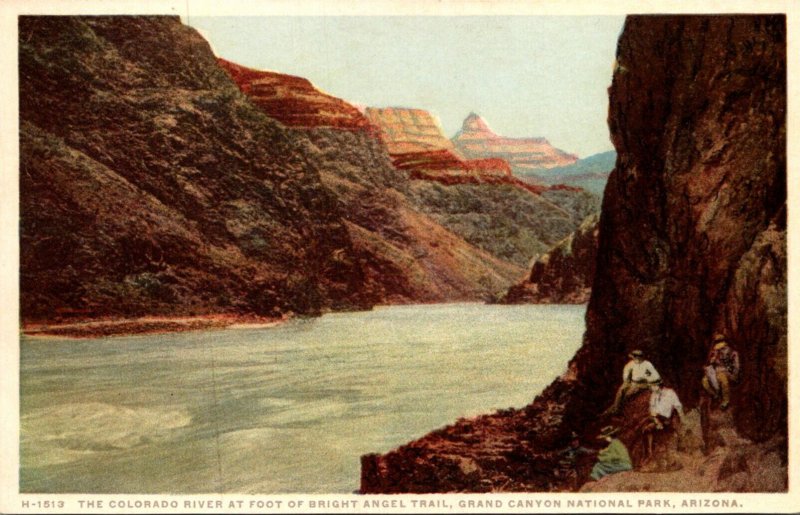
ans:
(692, 242)
(394, 220)
(476, 140)
(294, 101)
(150, 185)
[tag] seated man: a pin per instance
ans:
(664, 405)
(568, 461)
(637, 375)
(721, 369)
(612, 459)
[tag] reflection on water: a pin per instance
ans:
(274, 410)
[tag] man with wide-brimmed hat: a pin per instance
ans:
(664, 406)
(637, 375)
(613, 458)
(568, 460)
(722, 369)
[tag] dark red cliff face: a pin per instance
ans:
(692, 241)
(294, 101)
(692, 236)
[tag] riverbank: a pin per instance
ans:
(97, 328)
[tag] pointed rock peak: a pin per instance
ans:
(474, 123)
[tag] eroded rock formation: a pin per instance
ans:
(417, 144)
(476, 140)
(564, 274)
(692, 242)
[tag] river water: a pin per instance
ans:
(274, 410)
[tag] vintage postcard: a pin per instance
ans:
(465, 256)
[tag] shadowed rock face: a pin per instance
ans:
(692, 241)
(150, 185)
(693, 216)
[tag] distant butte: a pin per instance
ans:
(417, 144)
(476, 140)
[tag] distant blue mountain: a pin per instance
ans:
(590, 173)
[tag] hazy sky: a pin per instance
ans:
(525, 75)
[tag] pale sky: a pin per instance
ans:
(538, 76)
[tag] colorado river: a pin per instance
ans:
(274, 410)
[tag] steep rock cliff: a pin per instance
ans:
(692, 221)
(564, 274)
(150, 185)
(476, 140)
(692, 242)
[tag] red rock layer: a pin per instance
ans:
(477, 140)
(692, 242)
(294, 101)
(407, 131)
(416, 144)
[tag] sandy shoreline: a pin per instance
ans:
(98, 328)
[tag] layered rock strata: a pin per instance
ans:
(294, 101)
(692, 242)
(476, 140)
(150, 185)
(417, 144)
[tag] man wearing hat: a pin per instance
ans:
(614, 458)
(664, 405)
(568, 460)
(637, 375)
(721, 369)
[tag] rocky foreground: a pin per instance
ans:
(692, 242)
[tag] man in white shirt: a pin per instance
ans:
(637, 375)
(664, 404)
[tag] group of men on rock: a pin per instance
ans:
(720, 372)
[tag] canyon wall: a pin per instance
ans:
(294, 101)
(150, 185)
(692, 241)
(693, 219)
